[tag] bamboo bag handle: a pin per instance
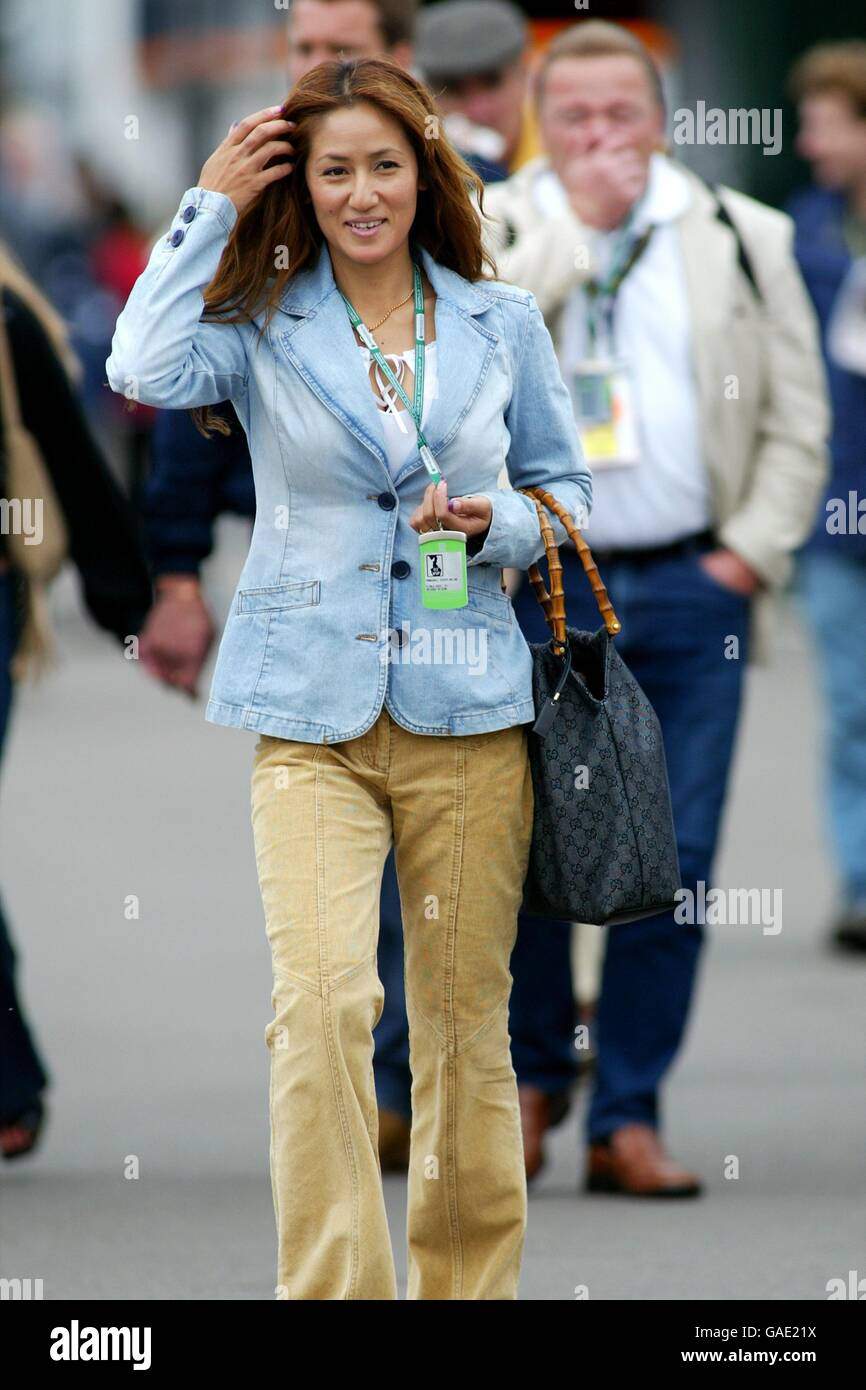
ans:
(553, 603)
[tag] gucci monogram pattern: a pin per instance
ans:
(603, 843)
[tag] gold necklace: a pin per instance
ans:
(374, 326)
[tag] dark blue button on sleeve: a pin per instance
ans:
(400, 569)
(188, 213)
(177, 236)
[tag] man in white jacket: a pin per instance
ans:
(686, 337)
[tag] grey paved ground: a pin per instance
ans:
(153, 1028)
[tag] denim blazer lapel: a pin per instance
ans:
(321, 346)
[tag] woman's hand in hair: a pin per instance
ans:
(471, 515)
(238, 167)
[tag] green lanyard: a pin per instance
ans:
(607, 289)
(414, 407)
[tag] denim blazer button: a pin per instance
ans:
(387, 501)
(400, 569)
(188, 213)
(177, 236)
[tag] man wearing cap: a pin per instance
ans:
(687, 340)
(473, 55)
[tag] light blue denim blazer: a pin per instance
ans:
(326, 622)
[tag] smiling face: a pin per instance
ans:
(362, 175)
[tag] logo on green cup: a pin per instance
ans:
(443, 569)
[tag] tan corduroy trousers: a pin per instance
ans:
(459, 810)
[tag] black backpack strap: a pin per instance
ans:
(742, 254)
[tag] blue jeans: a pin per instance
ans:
(391, 1034)
(833, 588)
(22, 1075)
(677, 625)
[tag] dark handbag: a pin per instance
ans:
(603, 843)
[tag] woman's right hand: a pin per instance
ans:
(237, 166)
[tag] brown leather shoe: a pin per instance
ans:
(636, 1164)
(394, 1132)
(539, 1111)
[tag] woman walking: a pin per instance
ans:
(336, 251)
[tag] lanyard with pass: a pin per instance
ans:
(601, 383)
(414, 407)
(442, 552)
(608, 289)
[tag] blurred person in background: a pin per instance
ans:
(829, 86)
(690, 348)
(96, 527)
(474, 56)
(320, 30)
(114, 253)
(79, 242)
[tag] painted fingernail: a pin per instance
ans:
(451, 505)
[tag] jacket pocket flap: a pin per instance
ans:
(491, 604)
(297, 593)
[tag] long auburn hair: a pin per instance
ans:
(281, 218)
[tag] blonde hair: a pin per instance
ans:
(598, 38)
